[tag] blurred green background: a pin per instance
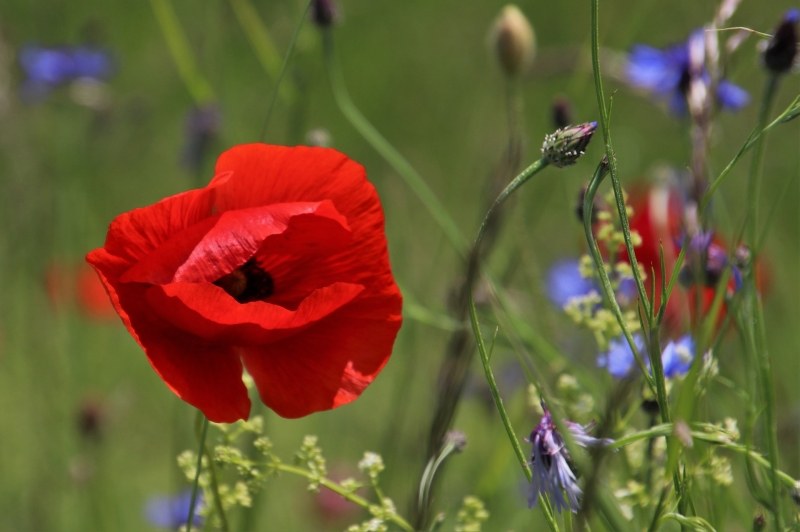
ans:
(423, 73)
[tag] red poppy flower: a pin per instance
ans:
(279, 266)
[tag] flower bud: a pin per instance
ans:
(562, 112)
(323, 12)
(566, 145)
(781, 50)
(514, 40)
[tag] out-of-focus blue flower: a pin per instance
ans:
(564, 282)
(619, 358)
(552, 474)
(48, 67)
(667, 74)
(677, 356)
(173, 512)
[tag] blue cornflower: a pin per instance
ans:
(173, 512)
(619, 358)
(552, 474)
(565, 282)
(668, 73)
(48, 67)
(677, 356)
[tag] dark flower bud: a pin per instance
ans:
(562, 112)
(323, 12)
(759, 522)
(90, 419)
(566, 145)
(781, 50)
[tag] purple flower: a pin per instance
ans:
(667, 74)
(565, 282)
(48, 67)
(552, 474)
(173, 512)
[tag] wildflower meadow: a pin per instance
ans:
(312, 265)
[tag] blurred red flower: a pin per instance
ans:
(658, 219)
(279, 265)
(68, 284)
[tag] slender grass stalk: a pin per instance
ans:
(612, 161)
(600, 267)
(286, 58)
(653, 351)
(336, 488)
(790, 113)
(400, 165)
(498, 401)
(755, 334)
(199, 467)
(199, 89)
(256, 32)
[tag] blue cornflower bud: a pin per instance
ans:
(566, 145)
(781, 50)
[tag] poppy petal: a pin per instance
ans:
(206, 375)
(330, 363)
(216, 246)
(208, 312)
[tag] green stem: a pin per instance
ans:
(600, 267)
(756, 337)
(790, 113)
(498, 402)
(400, 165)
(336, 488)
(665, 429)
(257, 34)
(178, 45)
(612, 161)
(286, 59)
(199, 467)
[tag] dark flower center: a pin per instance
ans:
(249, 282)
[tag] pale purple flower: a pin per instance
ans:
(552, 473)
